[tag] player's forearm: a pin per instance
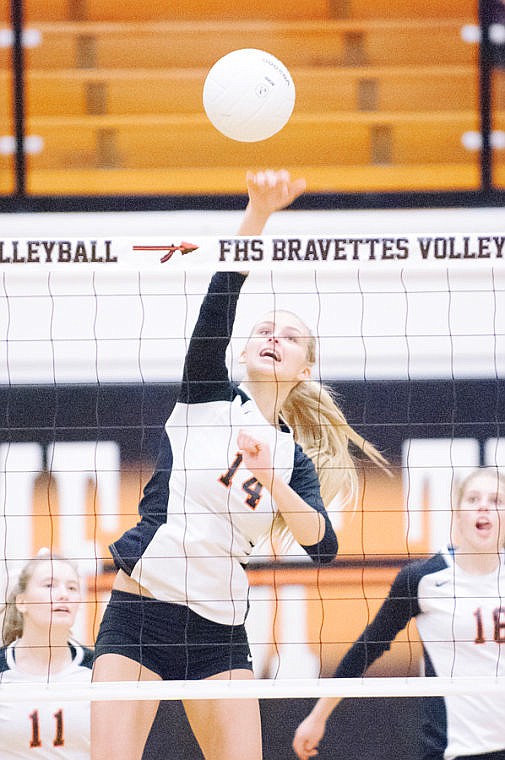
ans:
(253, 221)
(324, 708)
(305, 524)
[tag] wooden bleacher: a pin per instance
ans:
(112, 141)
(198, 10)
(384, 95)
(120, 91)
(166, 45)
(159, 10)
(202, 181)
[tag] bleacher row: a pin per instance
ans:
(385, 93)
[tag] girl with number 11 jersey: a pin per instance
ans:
(39, 649)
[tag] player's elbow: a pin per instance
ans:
(324, 551)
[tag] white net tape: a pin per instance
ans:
(260, 688)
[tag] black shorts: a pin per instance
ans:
(170, 639)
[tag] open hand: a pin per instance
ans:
(271, 191)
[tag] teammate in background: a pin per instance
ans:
(231, 471)
(38, 648)
(457, 599)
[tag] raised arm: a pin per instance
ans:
(205, 375)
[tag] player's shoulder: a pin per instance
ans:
(302, 461)
(414, 571)
(304, 469)
(433, 564)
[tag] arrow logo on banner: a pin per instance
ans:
(170, 249)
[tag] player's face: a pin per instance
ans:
(480, 517)
(277, 349)
(52, 596)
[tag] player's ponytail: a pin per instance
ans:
(321, 429)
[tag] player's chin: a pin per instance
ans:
(485, 545)
(265, 370)
(273, 372)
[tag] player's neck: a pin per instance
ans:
(269, 397)
(35, 654)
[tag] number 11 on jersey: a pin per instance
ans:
(36, 741)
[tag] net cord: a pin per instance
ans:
(289, 688)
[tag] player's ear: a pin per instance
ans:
(305, 373)
(20, 605)
(242, 357)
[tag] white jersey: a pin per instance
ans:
(462, 626)
(461, 622)
(218, 537)
(203, 511)
(34, 730)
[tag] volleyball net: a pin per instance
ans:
(410, 333)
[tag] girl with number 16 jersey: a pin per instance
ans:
(457, 599)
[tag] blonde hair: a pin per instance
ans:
(320, 427)
(12, 626)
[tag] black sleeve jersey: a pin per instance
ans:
(202, 506)
(461, 621)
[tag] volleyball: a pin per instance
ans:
(248, 95)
